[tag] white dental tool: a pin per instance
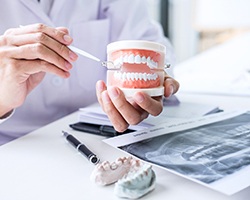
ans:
(88, 55)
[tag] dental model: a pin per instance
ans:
(106, 173)
(136, 183)
(138, 66)
(133, 178)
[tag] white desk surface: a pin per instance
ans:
(42, 165)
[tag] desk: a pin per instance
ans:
(42, 165)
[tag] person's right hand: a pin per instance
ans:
(26, 54)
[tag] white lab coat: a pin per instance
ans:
(92, 24)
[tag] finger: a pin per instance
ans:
(144, 114)
(35, 66)
(114, 115)
(38, 51)
(42, 38)
(129, 113)
(63, 29)
(100, 87)
(171, 86)
(57, 34)
(152, 105)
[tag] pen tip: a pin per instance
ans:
(65, 133)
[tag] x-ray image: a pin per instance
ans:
(207, 153)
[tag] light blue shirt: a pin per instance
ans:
(92, 24)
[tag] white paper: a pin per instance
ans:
(213, 150)
(172, 111)
(95, 115)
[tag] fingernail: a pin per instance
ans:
(99, 86)
(68, 65)
(105, 97)
(67, 74)
(139, 98)
(171, 90)
(67, 38)
(72, 56)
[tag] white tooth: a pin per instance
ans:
(137, 59)
(113, 166)
(121, 60)
(132, 76)
(128, 76)
(120, 75)
(116, 74)
(131, 58)
(148, 61)
(117, 61)
(136, 76)
(125, 160)
(106, 165)
(140, 76)
(143, 59)
(118, 163)
(124, 76)
(154, 64)
(149, 64)
(125, 59)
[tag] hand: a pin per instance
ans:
(26, 54)
(122, 112)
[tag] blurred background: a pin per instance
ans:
(194, 26)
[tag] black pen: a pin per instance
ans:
(104, 130)
(81, 147)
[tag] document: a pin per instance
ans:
(213, 150)
(173, 110)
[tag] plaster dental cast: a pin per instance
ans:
(132, 177)
(42, 79)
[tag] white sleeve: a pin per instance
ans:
(7, 117)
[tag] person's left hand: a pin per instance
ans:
(123, 112)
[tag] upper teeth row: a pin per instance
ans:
(135, 76)
(137, 59)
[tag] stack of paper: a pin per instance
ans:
(173, 110)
